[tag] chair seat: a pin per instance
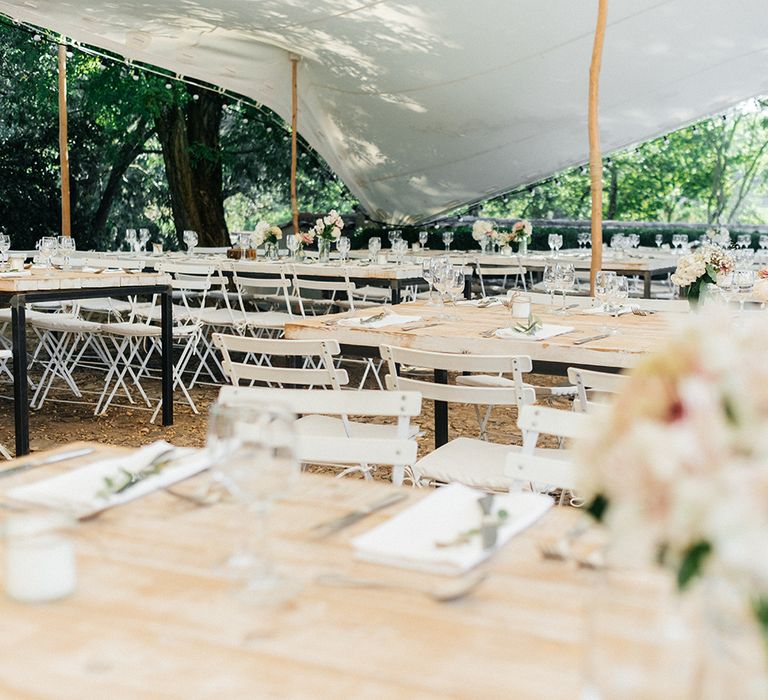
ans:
(106, 305)
(331, 426)
(142, 330)
(371, 293)
(473, 462)
(64, 323)
(490, 380)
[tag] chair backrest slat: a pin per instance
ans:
(586, 379)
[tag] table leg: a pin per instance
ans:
(166, 339)
(468, 279)
(647, 285)
(441, 412)
(20, 396)
(395, 287)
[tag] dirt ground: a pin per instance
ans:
(61, 420)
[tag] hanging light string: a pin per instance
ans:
(40, 34)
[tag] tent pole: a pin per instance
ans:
(294, 110)
(66, 220)
(595, 156)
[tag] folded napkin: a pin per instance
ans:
(16, 273)
(547, 330)
(78, 491)
(598, 311)
(388, 320)
(491, 301)
(410, 539)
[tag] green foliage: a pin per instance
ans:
(692, 563)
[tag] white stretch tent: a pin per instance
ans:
(423, 105)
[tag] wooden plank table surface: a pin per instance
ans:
(152, 618)
(462, 333)
(42, 279)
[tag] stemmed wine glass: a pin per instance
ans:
(131, 238)
(618, 294)
(393, 236)
(252, 450)
(374, 246)
(658, 239)
(143, 239)
(292, 242)
(401, 248)
(426, 273)
(550, 281)
(565, 278)
(67, 247)
(455, 285)
(343, 244)
(447, 240)
(48, 245)
(744, 281)
(582, 238)
(743, 240)
(763, 241)
(5, 246)
(423, 238)
(190, 240)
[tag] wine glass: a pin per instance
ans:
(455, 285)
(48, 245)
(5, 246)
(67, 247)
(558, 243)
(292, 242)
(426, 273)
(658, 239)
(423, 238)
(252, 451)
(603, 283)
(763, 241)
(440, 269)
(564, 282)
(550, 281)
(743, 240)
(343, 244)
(131, 238)
(190, 240)
(374, 246)
(447, 240)
(618, 294)
(582, 239)
(551, 242)
(143, 239)
(393, 236)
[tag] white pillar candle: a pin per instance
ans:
(39, 558)
(521, 306)
(382, 259)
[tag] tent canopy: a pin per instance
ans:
(421, 106)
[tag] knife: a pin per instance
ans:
(53, 459)
(581, 341)
(332, 526)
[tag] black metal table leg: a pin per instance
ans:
(441, 412)
(468, 279)
(647, 285)
(20, 396)
(166, 339)
(395, 287)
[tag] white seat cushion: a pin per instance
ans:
(473, 463)
(142, 330)
(64, 323)
(490, 380)
(333, 426)
(106, 305)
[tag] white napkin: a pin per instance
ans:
(77, 491)
(388, 320)
(547, 330)
(598, 311)
(492, 301)
(409, 539)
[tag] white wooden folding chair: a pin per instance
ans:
(321, 296)
(498, 278)
(253, 293)
(351, 451)
(553, 469)
(593, 386)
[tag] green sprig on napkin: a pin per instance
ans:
(125, 479)
(530, 327)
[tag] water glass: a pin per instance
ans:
(423, 238)
(426, 273)
(550, 281)
(447, 240)
(603, 283)
(565, 279)
(393, 236)
(5, 246)
(252, 451)
(48, 245)
(659, 239)
(763, 241)
(131, 238)
(582, 239)
(143, 239)
(455, 284)
(292, 242)
(190, 240)
(743, 240)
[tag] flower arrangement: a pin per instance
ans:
(329, 227)
(719, 236)
(760, 290)
(482, 230)
(677, 468)
(521, 230)
(702, 267)
(273, 234)
(258, 236)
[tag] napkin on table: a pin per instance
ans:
(388, 320)
(77, 491)
(410, 538)
(598, 311)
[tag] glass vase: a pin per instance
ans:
(271, 251)
(323, 250)
(522, 246)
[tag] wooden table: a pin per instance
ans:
(151, 618)
(57, 285)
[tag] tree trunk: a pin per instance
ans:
(189, 137)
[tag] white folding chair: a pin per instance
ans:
(593, 386)
(553, 469)
(353, 451)
(489, 276)
(323, 295)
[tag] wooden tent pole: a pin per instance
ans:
(294, 144)
(66, 216)
(595, 155)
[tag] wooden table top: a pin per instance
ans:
(638, 335)
(41, 279)
(151, 618)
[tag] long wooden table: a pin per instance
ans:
(41, 285)
(151, 618)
